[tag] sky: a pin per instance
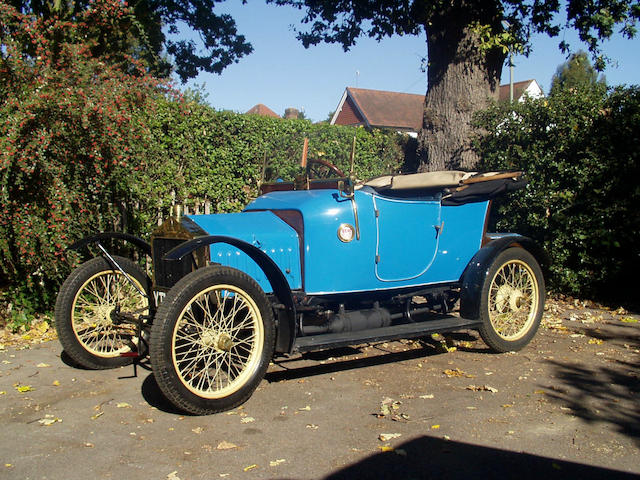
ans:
(281, 73)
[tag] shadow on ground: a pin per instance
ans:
(606, 394)
(427, 458)
(379, 355)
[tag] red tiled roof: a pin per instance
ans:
(261, 109)
(518, 90)
(389, 109)
(401, 111)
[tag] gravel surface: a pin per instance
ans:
(564, 407)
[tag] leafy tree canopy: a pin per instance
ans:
(577, 72)
(467, 43)
(502, 23)
(220, 44)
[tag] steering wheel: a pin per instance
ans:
(322, 169)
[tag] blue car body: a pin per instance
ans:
(403, 242)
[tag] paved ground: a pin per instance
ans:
(565, 407)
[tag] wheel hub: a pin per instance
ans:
(220, 341)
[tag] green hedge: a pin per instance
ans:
(120, 162)
(580, 150)
(199, 154)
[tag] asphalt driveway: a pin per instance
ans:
(565, 407)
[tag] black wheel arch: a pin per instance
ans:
(285, 320)
(477, 269)
(99, 237)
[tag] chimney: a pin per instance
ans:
(291, 113)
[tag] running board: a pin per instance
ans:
(394, 332)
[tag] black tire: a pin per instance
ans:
(83, 312)
(212, 340)
(512, 301)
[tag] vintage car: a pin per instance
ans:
(311, 264)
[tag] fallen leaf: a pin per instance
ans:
(3, 392)
(197, 430)
(386, 448)
(312, 426)
(596, 341)
(275, 463)
(123, 405)
(306, 409)
(99, 414)
(629, 320)
(173, 476)
(89, 445)
(43, 365)
(49, 420)
(250, 467)
(224, 445)
(456, 372)
(247, 420)
(482, 388)
(24, 388)
(507, 405)
(56, 383)
(426, 396)
(385, 437)
(540, 392)
(435, 427)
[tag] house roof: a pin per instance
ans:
(400, 111)
(379, 108)
(261, 109)
(518, 90)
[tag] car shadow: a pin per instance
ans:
(331, 361)
(435, 458)
(153, 396)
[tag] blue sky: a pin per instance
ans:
(281, 73)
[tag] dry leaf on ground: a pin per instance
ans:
(224, 445)
(385, 437)
(482, 388)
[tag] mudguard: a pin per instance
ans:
(478, 268)
(286, 333)
(137, 241)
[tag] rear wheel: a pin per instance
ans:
(512, 301)
(212, 340)
(85, 308)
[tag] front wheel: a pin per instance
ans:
(212, 340)
(512, 301)
(89, 300)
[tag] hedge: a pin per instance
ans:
(580, 151)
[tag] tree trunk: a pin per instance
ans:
(461, 80)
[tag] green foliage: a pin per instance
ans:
(345, 22)
(577, 72)
(89, 142)
(68, 121)
(150, 28)
(204, 155)
(580, 150)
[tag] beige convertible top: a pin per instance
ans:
(440, 179)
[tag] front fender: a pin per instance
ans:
(286, 333)
(99, 237)
(477, 270)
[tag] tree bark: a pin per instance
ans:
(462, 79)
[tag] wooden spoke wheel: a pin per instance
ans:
(86, 306)
(512, 301)
(212, 340)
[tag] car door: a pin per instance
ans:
(408, 232)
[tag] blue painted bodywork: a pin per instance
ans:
(263, 230)
(403, 242)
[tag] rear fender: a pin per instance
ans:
(287, 331)
(478, 268)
